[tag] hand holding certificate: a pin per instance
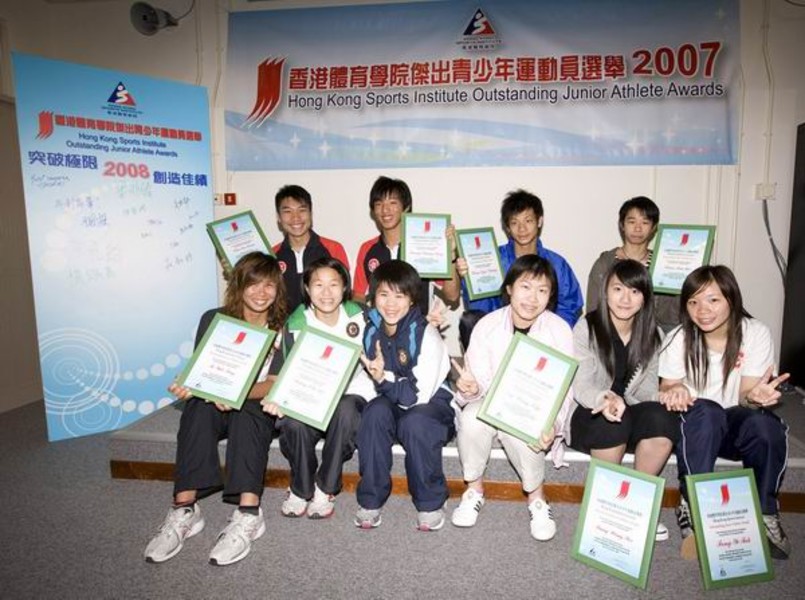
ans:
(479, 248)
(617, 522)
(313, 378)
(528, 389)
(227, 360)
(730, 537)
(680, 249)
(425, 245)
(236, 236)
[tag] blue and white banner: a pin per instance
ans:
(471, 83)
(116, 171)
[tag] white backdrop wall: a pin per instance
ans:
(580, 203)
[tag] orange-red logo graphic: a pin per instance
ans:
(45, 125)
(269, 91)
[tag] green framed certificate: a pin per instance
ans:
(618, 521)
(480, 249)
(679, 249)
(227, 361)
(236, 236)
(314, 376)
(528, 389)
(730, 536)
(424, 245)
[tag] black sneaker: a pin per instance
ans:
(683, 519)
(688, 548)
(779, 546)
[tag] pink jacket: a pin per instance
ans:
(490, 339)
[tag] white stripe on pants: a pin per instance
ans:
(475, 445)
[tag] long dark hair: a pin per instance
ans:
(695, 342)
(645, 339)
(250, 269)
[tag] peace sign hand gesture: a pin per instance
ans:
(466, 382)
(765, 392)
(375, 366)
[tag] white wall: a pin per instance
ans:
(20, 382)
(581, 203)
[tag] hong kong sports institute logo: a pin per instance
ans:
(121, 96)
(121, 103)
(269, 91)
(479, 33)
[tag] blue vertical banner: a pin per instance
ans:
(116, 172)
(473, 83)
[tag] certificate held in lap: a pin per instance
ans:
(528, 389)
(227, 361)
(314, 376)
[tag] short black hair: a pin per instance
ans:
(516, 202)
(297, 192)
(399, 276)
(533, 266)
(645, 205)
(386, 186)
(326, 262)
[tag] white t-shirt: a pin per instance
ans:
(755, 356)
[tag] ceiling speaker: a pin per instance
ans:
(148, 20)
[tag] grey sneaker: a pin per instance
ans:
(779, 545)
(180, 524)
(235, 541)
(431, 520)
(368, 518)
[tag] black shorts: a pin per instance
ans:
(640, 421)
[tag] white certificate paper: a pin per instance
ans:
(680, 249)
(528, 389)
(729, 535)
(237, 236)
(227, 360)
(425, 245)
(618, 519)
(314, 376)
(485, 274)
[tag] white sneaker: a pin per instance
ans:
(322, 505)
(235, 541)
(180, 524)
(661, 533)
(466, 513)
(543, 527)
(294, 506)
